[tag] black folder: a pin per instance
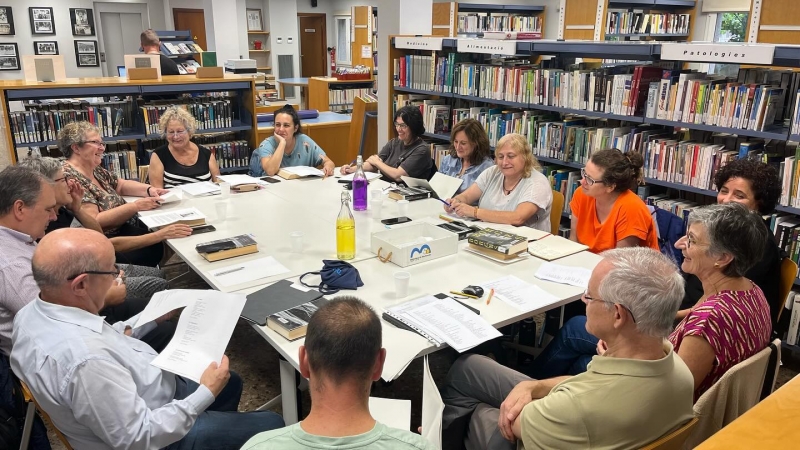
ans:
(273, 299)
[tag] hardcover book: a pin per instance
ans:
(227, 248)
(499, 241)
(293, 322)
(409, 193)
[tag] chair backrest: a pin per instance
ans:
(555, 212)
(674, 440)
(788, 275)
(773, 366)
(26, 393)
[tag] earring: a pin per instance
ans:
(716, 264)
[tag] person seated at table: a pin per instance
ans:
(757, 186)
(180, 161)
(606, 213)
(469, 153)
(96, 381)
(512, 192)
(83, 147)
(26, 197)
(729, 323)
(635, 392)
(405, 155)
(341, 357)
(151, 45)
(288, 147)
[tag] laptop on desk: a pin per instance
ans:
(121, 71)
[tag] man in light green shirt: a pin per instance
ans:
(635, 391)
(341, 358)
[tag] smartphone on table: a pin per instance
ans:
(203, 229)
(395, 220)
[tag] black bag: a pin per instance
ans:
(335, 275)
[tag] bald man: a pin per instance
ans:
(95, 380)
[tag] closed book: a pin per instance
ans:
(493, 253)
(499, 241)
(227, 248)
(292, 323)
(409, 193)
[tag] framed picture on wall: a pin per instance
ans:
(9, 56)
(42, 20)
(45, 47)
(82, 21)
(254, 22)
(6, 21)
(86, 54)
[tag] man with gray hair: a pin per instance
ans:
(633, 392)
(151, 45)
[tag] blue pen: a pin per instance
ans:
(448, 204)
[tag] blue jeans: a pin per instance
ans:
(220, 426)
(568, 353)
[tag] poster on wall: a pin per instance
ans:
(82, 21)
(86, 54)
(9, 56)
(6, 21)
(45, 47)
(42, 21)
(254, 22)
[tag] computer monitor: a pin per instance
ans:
(121, 71)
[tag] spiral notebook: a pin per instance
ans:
(441, 320)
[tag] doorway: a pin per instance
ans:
(121, 32)
(193, 20)
(313, 45)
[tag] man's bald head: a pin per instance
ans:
(69, 251)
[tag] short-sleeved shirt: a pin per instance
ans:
(628, 217)
(414, 158)
(617, 403)
(306, 152)
(176, 174)
(380, 437)
(92, 194)
(735, 323)
(451, 165)
(534, 189)
(168, 66)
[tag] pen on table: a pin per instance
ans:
(465, 295)
(491, 294)
(229, 271)
(448, 204)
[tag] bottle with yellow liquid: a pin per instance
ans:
(345, 230)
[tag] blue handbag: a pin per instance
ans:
(335, 275)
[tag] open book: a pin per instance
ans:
(443, 185)
(291, 173)
(554, 247)
(189, 216)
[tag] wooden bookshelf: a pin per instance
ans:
(319, 92)
(579, 17)
(650, 6)
(445, 19)
(776, 22)
(361, 17)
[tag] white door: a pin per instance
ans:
(121, 33)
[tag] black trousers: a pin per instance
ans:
(147, 256)
(157, 338)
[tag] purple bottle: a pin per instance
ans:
(359, 187)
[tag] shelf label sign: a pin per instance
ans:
(418, 43)
(718, 53)
(487, 46)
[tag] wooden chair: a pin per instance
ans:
(788, 274)
(674, 440)
(26, 393)
(555, 212)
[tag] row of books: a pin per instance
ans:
(121, 163)
(476, 23)
(629, 22)
(188, 67)
(341, 97)
(231, 154)
(181, 48)
(40, 125)
(210, 114)
(563, 180)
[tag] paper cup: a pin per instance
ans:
(401, 280)
(297, 241)
(402, 208)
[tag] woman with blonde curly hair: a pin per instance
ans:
(180, 161)
(512, 192)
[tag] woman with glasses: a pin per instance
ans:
(469, 153)
(405, 155)
(180, 161)
(83, 148)
(606, 213)
(288, 147)
(729, 323)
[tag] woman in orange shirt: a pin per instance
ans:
(606, 213)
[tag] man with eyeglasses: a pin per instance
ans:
(634, 391)
(96, 380)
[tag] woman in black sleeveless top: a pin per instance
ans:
(181, 161)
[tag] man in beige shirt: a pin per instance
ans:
(633, 392)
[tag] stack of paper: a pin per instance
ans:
(574, 276)
(201, 188)
(188, 216)
(432, 408)
(554, 247)
(174, 195)
(245, 272)
(402, 346)
(390, 412)
(531, 233)
(238, 180)
(291, 173)
(519, 294)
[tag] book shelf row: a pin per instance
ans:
(207, 114)
(629, 22)
(478, 23)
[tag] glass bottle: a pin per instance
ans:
(359, 186)
(345, 230)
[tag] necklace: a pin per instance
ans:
(508, 191)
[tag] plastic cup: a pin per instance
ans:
(402, 208)
(222, 210)
(375, 206)
(225, 190)
(297, 241)
(376, 194)
(401, 280)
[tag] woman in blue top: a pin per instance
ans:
(469, 153)
(288, 147)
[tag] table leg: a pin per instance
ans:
(290, 397)
(282, 92)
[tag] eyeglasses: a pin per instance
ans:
(97, 143)
(176, 133)
(400, 126)
(114, 272)
(588, 299)
(690, 241)
(57, 180)
(589, 180)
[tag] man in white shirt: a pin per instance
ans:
(95, 380)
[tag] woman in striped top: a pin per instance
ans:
(181, 161)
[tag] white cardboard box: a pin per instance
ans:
(413, 244)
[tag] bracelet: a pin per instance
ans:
(475, 215)
(148, 190)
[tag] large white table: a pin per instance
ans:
(311, 206)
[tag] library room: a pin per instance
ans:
(418, 224)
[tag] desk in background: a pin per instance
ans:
(301, 82)
(330, 131)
